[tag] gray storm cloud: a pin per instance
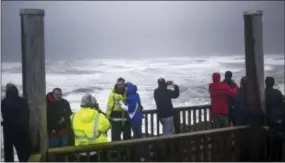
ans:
(142, 29)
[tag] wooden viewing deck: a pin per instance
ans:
(243, 143)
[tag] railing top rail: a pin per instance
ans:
(77, 149)
(182, 108)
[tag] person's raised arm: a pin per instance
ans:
(231, 91)
(174, 93)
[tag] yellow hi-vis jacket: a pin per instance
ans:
(113, 105)
(89, 127)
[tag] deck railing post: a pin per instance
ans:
(33, 70)
(254, 61)
(177, 123)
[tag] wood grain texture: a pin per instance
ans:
(254, 61)
(33, 71)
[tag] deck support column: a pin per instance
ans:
(254, 62)
(33, 71)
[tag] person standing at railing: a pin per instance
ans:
(58, 113)
(90, 126)
(165, 112)
(15, 114)
(241, 113)
(116, 114)
(134, 109)
(275, 115)
(219, 92)
(231, 83)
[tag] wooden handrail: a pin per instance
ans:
(69, 149)
(77, 149)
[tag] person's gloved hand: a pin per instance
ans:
(123, 106)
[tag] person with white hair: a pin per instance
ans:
(89, 124)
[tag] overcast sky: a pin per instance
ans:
(142, 29)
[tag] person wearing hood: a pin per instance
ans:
(274, 102)
(134, 109)
(241, 112)
(165, 112)
(15, 114)
(231, 83)
(275, 116)
(58, 122)
(89, 125)
(219, 92)
(116, 114)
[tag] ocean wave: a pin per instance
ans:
(192, 74)
(73, 71)
(90, 89)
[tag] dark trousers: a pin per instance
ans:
(137, 130)
(276, 140)
(232, 116)
(118, 127)
(220, 121)
(14, 137)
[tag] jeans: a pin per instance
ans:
(167, 125)
(61, 141)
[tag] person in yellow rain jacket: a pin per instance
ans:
(89, 125)
(116, 114)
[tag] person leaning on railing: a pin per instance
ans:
(90, 126)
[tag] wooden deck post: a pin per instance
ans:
(33, 70)
(254, 61)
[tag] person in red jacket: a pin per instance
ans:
(219, 93)
(58, 121)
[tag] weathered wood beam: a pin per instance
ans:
(254, 61)
(33, 71)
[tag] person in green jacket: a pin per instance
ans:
(116, 114)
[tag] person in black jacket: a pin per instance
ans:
(165, 112)
(241, 113)
(15, 114)
(275, 113)
(58, 119)
(228, 80)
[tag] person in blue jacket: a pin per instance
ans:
(134, 108)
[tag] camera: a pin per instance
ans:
(169, 82)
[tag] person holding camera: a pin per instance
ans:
(165, 112)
